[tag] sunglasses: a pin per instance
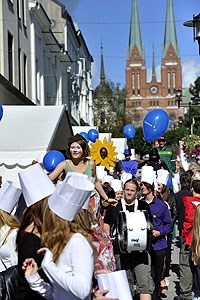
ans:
(161, 141)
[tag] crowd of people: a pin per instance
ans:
(77, 223)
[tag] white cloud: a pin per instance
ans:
(190, 72)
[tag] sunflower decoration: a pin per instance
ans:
(103, 153)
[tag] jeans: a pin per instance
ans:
(185, 273)
(157, 263)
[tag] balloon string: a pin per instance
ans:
(142, 152)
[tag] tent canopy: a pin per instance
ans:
(28, 132)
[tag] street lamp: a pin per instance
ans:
(195, 23)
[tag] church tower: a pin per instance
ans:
(143, 96)
(103, 102)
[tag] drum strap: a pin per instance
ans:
(124, 205)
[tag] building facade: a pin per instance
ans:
(44, 56)
(143, 96)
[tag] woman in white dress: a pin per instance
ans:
(69, 254)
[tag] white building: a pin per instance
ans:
(44, 58)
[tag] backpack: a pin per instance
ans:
(9, 282)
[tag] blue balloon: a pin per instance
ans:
(52, 159)
(85, 135)
(1, 112)
(129, 131)
(169, 182)
(93, 135)
(155, 124)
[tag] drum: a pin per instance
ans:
(133, 231)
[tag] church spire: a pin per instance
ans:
(153, 65)
(170, 30)
(102, 71)
(135, 38)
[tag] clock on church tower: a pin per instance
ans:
(153, 89)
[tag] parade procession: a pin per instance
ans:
(99, 179)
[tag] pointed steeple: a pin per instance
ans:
(102, 71)
(170, 29)
(153, 65)
(135, 33)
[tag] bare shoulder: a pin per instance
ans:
(92, 164)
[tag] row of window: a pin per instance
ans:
(153, 103)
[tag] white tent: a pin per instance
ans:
(27, 133)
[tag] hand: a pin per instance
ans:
(30, 267)
(107, 202)
(42, 250)
(155, 233)
(100, 295)
(102, 271)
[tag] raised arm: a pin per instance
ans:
(58, 170)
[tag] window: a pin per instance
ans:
(174, 80)
(19, 9)
(19, 67)
(10, 57)
(25, 74)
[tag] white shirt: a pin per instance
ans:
(8, 253)
(71, 277)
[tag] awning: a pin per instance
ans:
(27, 133)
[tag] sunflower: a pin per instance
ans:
(103, 153)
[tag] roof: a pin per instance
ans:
(28, 132)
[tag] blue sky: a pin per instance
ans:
(109, 21)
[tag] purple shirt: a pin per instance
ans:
(162, 222)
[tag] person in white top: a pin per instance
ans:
(69, 252)
(9, 225)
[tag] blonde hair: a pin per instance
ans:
(8, 219)
(56, 232)
(195, 245)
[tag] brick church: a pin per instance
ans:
(143, 96)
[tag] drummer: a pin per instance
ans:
(162, 225)
(138, 262)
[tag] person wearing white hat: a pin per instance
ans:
(69, 254)
(36, 187)
(162, 225)
(116, 184)
(9, 225)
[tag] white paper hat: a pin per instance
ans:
(148, 174)
(107, 178)
(100, 172)
(9, 196)
(69, 197)
(116, 184)
(162, 176)
(126, 176)
(36, 184)
(92, 179)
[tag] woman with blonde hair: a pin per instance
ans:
(69, 252)
(194, 256)
(9, 225)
